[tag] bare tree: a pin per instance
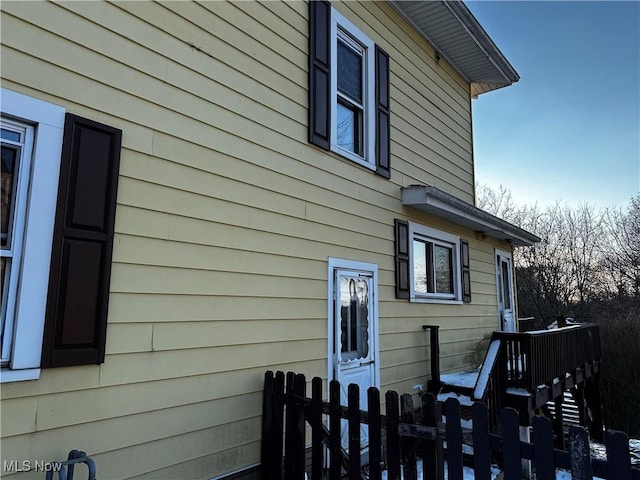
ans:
(562, 273)
(622, 249)
(500, 203)
(587, 264)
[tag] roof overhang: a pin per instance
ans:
(436, 202)
(451, 28)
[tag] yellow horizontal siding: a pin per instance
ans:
(226, 217)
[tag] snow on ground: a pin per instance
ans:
(495, 473)
(467, 472)
(599, 451)
(566, 475)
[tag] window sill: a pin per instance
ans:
(7, 375)
(345, 154)
(435, 300)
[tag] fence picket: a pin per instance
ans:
(454, 439)
(480, 434)
(511, 444)
(580, 454)
(335, 438)
(315, 415)
(286, 404)
(353, 402)
(543, 448)
(278, 433)
(290, 425)
(618, 459)
(408, 444)
(375, 434)
(433, 460)
(300, 393)
(266, 458)
(393, 438)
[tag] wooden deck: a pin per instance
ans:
(528, 370)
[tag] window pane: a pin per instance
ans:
(10, 135)
(349, 130)
(505, 285)
(419, 267)
(354, 318)
(4, 261)
(443, 269)
(4, 269)
(7, 191)
(349, 72)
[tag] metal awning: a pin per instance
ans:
(436, 202)
(459, 38)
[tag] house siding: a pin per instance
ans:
(225, 219)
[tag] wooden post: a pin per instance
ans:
(433, 458)
(335, 437)
(434, 343)
(543, 449)
(278, 418)
(454, 439)
(290, 428)
(408, 447)
(267, 427)
(618, 459)
(511, 457)
(480, 433)
(353, 402)
(393, 438)
(315, 419)
(580, 453)
(300, 393)
(375, 434)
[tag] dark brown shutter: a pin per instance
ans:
(402, 259)
(383, 129)
(464, 267)
(320, 73)
(76, 318)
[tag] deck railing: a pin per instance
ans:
(531, 359)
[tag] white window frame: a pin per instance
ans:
(340, 24)
(32, 280)
(17, 220)
(429, 234)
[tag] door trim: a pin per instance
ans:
(363, 267)
(503, 253)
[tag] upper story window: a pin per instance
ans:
(353, 89)
(348, 90)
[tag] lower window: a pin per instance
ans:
(31, 146)
(435, 264)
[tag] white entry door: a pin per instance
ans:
(354, 314)
(506, 297)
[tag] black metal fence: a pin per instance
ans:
(407, 432)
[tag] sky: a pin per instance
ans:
(569, 130)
